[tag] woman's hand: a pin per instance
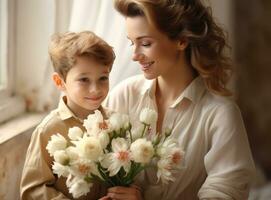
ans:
(125, 193)
(105, 198)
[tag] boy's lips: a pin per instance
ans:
(93, 98)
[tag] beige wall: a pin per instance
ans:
(253, 57)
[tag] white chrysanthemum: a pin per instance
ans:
(83, 167)
(165, 147)
(75, 133)
(170, 151)
(118, 121)
(164, 171)
(142, 150)
(77, 186)
(57, 142)
(120, 157)
(176, 157)
(72, 153)
(61, 157)
(60, 170)
(148, 116)
(89, 147)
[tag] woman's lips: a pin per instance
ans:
(146, 66)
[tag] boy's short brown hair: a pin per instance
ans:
(65, 47)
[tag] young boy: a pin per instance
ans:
(82, 63)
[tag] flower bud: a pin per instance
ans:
(148, 116)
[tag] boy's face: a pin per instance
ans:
(86, 86)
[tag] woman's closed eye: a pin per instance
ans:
(146, 44)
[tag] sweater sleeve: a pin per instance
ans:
(37, 178)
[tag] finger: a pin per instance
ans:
(117, 196)
(105, 198)
(136, 187)
(119, 189)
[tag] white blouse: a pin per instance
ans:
(209, 128)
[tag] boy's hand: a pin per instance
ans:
(124, 193)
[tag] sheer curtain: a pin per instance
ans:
(36, 21)
(98, 16)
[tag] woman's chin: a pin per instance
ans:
(149, 76)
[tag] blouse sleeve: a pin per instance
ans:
(228, 163)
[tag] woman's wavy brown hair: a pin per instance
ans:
(190, 20)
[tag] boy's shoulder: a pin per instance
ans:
(51, 124)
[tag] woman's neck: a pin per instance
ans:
(170, 85)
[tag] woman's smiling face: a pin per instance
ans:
(153, 50)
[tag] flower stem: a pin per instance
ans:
(143, 132)
(131, 138)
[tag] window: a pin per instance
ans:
(3, 43)
(10, 104)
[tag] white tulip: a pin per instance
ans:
(137, 132)
(75, 133)
(104, 139)
(118, 121)
(148, 116)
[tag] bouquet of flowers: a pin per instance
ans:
(113, 152)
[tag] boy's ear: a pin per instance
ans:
(182, 44)
(59, 82)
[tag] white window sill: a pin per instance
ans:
(18, 125)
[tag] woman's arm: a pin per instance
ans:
(229, 164)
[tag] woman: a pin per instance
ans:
(181, 50)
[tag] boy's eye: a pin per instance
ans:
(104, 78)
(84, 80)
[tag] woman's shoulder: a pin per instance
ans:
(125, 94)
(133, 84)
(220, 105)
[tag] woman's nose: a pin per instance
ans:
(138, 56)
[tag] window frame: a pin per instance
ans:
(11, 104)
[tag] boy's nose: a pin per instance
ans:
(94, 88)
